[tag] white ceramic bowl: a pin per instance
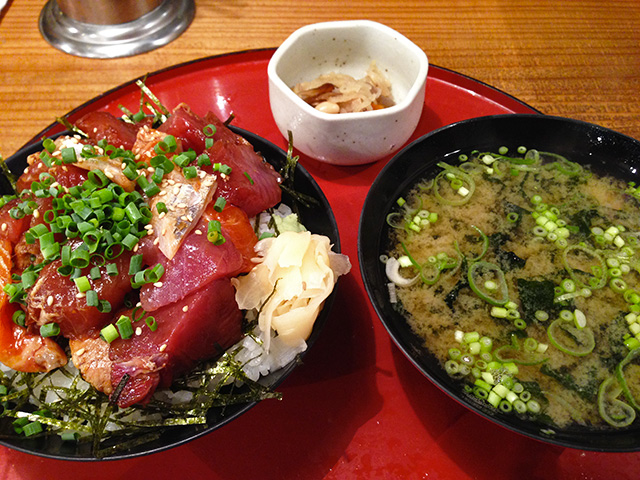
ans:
(347, 47)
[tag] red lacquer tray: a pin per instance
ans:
(356, 408)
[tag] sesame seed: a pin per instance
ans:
(171, 181)
(182, 205)
(139, 304)
(163, 347)
(79, 352)
(198, 232)
(156, 241)
(36, 213)
(162, 214)
(50, 300)
(157, 284)
(80, 295)
(4, 227)
(138, 331)
(185, 308)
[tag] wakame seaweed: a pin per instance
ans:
(589, 391)
(536, 295)
(506, 259)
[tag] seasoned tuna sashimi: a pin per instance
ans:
(187, 127)
(65, 175)
(253, 184)
(237, 229)
(197, 263)
(199, 327)
(54, 298)
(103, 125)
(21, 349)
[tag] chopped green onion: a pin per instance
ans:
(214, 234)
(82, 283)
(19, 317)
(151, 323)
(135, 264)
(68, 155)
(125, 327)
(204, 160)
(32, 428)
(190, 172)
(92, 298)
(109, 333)
(220, 204)
(49, 330)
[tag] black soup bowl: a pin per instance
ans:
(606, 151)
(317, 217)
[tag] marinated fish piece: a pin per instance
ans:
(20, 348)
(146, 141)
(253, 184)
(185, 200)
(199, 327)
(55, 298)
(105, 126)
(91, 356)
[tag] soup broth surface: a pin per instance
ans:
(555, 300)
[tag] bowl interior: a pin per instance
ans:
(349, 47)
(606, 151)
(317, 218)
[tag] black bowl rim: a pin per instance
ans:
(279, 376)
(369, 287)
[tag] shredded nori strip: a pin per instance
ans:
(81, 408)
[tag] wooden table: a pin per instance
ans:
(578, 58)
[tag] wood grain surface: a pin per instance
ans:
(578, 58)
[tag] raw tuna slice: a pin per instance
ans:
(66, 175)
(198, 328)
(197, 263)
(103, 125)
(187, 127)
(54, 298)
(253, 184)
